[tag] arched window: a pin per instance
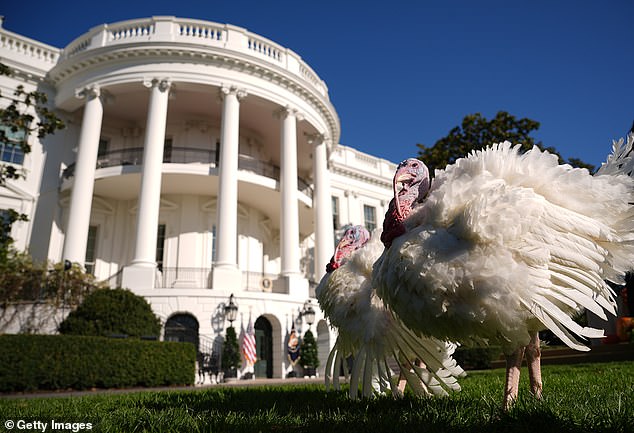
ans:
(182, 327)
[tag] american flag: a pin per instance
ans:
(248, 344)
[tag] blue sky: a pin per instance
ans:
(406, 72)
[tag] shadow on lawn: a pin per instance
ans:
(311, 409)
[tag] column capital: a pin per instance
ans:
(88, 92)
(232, 90)
(287, 111)
(317, 138)
(94, 91)
(163, 84)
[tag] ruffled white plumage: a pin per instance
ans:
(506, 244)
(368, 332)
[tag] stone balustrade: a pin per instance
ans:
(15, 47)
(167, 29)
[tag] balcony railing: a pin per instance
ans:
(200, 278)
(184, 277)
(204, 34)
(188, 155)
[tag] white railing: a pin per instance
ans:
(204, 33)
(14, 44)
(363, 162)
(265, 48)
(132, 31)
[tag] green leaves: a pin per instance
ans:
(22, 279)
(30, 362)
(230, 350)
(108, 312)
(476, 132)
(17, 124)
(18, 118)
(308, 351)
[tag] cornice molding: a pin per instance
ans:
(362, 176)
(91, 59)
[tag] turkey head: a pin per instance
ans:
(411, 184)
(353, 239)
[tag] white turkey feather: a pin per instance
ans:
(506, 244)
(620, 161)
(369, 332)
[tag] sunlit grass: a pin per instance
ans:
(580, 398)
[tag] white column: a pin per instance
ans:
(84, 179)
(227, 204)
(226, 273)
(322, 206)
(289, 221)
(140, 274)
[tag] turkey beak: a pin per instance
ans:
(342, 243)
(339, 248)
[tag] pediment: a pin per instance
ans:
(99, 205)
(165, 205)
(12, 191)
(209, 206)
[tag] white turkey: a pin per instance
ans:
(503, 245)
(369, 333)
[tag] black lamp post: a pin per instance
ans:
(231, 310)
(230, 349)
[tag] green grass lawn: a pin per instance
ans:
(579, 398)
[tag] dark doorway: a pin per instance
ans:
(264, 348)
(183, 328)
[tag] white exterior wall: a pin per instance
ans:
(359, 179)
(189, 189)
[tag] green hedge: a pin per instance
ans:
(476, 358)
(30, 362)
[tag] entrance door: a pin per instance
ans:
(264, 348)
(183, 328)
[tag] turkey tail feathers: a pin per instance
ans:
(333, 367)
(440, 370)
(621, 161)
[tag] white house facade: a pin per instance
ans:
(200, 160)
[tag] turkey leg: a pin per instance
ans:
(533, 359)
(513, 365)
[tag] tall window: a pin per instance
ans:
(102, 152)
(213, 243)
(369, 217)
(160, 246)
(5, 227)
(167, 150)
(335, 212)
(103, 147)
(10, 148)
(91, 250)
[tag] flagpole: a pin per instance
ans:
(249, 348)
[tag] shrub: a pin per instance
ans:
(476, 358)
(29, 362)
(109, 312)
(309, 358)
(230, 353)
(23, 279)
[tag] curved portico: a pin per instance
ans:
(214, 90)
(200, 161)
